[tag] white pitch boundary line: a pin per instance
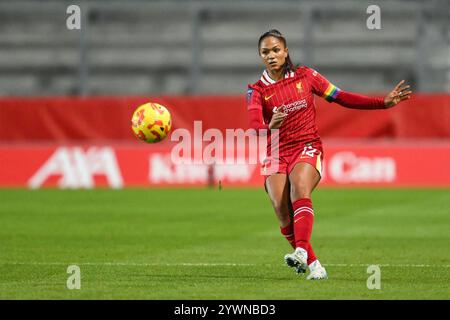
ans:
(225, 264)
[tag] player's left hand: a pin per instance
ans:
(401, 92)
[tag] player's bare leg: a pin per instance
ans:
(278, 189)
(277, 186)
(303, 179)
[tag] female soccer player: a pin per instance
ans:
(283, 99)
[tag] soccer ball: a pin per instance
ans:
(151, 122)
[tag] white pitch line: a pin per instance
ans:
(389, 265)
(224, 264)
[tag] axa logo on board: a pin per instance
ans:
(77, 167)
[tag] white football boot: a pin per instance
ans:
(297, 260)
(317, 272)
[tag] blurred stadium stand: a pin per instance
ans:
(209, 47)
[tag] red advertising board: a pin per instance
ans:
(65, 119)
(70, 142)
(130, 165)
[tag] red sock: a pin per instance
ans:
(303, 222)
(311, 254)
(288, 233)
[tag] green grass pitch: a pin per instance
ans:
(211, 244)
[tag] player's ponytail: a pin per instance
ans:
(288, 64)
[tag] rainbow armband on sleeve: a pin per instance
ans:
(331, 93)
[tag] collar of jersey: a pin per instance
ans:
(267, 80)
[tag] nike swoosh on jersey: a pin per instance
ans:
(267, 98)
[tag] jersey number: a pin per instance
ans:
(309, 151)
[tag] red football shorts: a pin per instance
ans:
(310, 152)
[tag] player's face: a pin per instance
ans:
(274, 53)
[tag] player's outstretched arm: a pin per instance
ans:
(357, 101)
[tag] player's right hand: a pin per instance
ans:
(277, 120)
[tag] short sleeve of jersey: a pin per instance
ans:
(322, 87)
(254, 100)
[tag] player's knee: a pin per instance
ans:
(300, 191)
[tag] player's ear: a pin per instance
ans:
(286, 52)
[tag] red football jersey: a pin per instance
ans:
(293, 95)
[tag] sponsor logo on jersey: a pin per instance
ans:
(296, 105)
